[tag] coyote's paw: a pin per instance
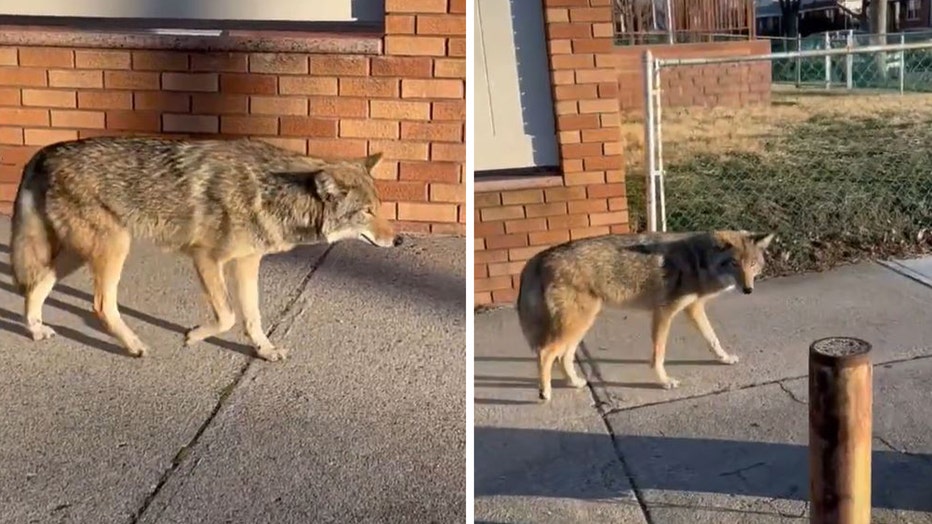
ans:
(579, 383)
(137, 349)
(670, 383)
(41, 332)
(544, 395)
(271, 353)
(728, 359)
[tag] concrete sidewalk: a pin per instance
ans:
(729, 445)
(363, 423)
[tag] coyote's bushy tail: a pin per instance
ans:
(532, 310)
(32, 246)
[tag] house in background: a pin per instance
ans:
(340, 78)
(818, 16)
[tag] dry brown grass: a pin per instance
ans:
(687, 132)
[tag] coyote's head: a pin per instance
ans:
(745, 255)
(351, 205)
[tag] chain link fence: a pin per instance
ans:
(840, 172)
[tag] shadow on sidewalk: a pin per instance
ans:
(536, 463)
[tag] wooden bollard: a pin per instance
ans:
(840, 413)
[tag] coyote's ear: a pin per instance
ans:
(325, 185)
(372, 160)
(762, 240)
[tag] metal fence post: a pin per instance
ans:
(650, 142)
(849, 61)
(902, 64)
(799, 62)
(840, 420)
(828, 63)
(671, 38)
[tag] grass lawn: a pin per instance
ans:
(838, 177)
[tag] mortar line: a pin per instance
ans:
(629, 472)
(226, 392)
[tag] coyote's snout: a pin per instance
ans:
(215, 201)
(563, 288)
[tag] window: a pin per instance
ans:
(912, 9)
(188, 14)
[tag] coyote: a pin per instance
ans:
(216, 201)
(564, 287)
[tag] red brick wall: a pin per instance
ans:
(407, 101)
(696, 85)
(589, 196)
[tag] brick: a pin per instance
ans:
(610, 218)
(49, 98)
(8, 56)
(42, 137)
(105, 100)
(336, 147)
(100, 59)
(489, 199)
(603, 162)
(399, 24)
(449, 110)
(71, 78)
(480, 271)
(506, 241)
(202, 82)
(160, 61)
(248, 84)
(448, 193)
(162, 101)
(385, 170)
(575, 92)
(220, 104)
(338, 107)
(403, 45)
(607, 105)
(401, 150)
(441, 25)
(484, 229)
(388, 210)
(291, 144)
(545, 210)
(369, 87)
(588, 206)
(278, 63)
(18, 155)
(457, 7)
(456, 47)
(448, 152)
(584, 178)
(219, 62)
(429, 171)
(10, 175)
(131, 80)
(399, 110)
(435, 88)
(190, 123)
(307, 85)
(415, 6)
(268, 105)
(133, 120)
(489, 284)
(489, 214)
(24, 117)
(395, 191)
(9, 135)
(432, 132)
(505, 268)
(522, 196)
(568, 221)
(46, 57)
(592, 76)
(368, 129)
(78, 119)
(560, 194)
(573, 122)
(450, 68)
(337, 65)
(9, 96)
(248, 125)
(403, 67)
(308, 127)
(587, 232)
(491, 256)
(606, 190)
(425, 212)
(548, 238)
